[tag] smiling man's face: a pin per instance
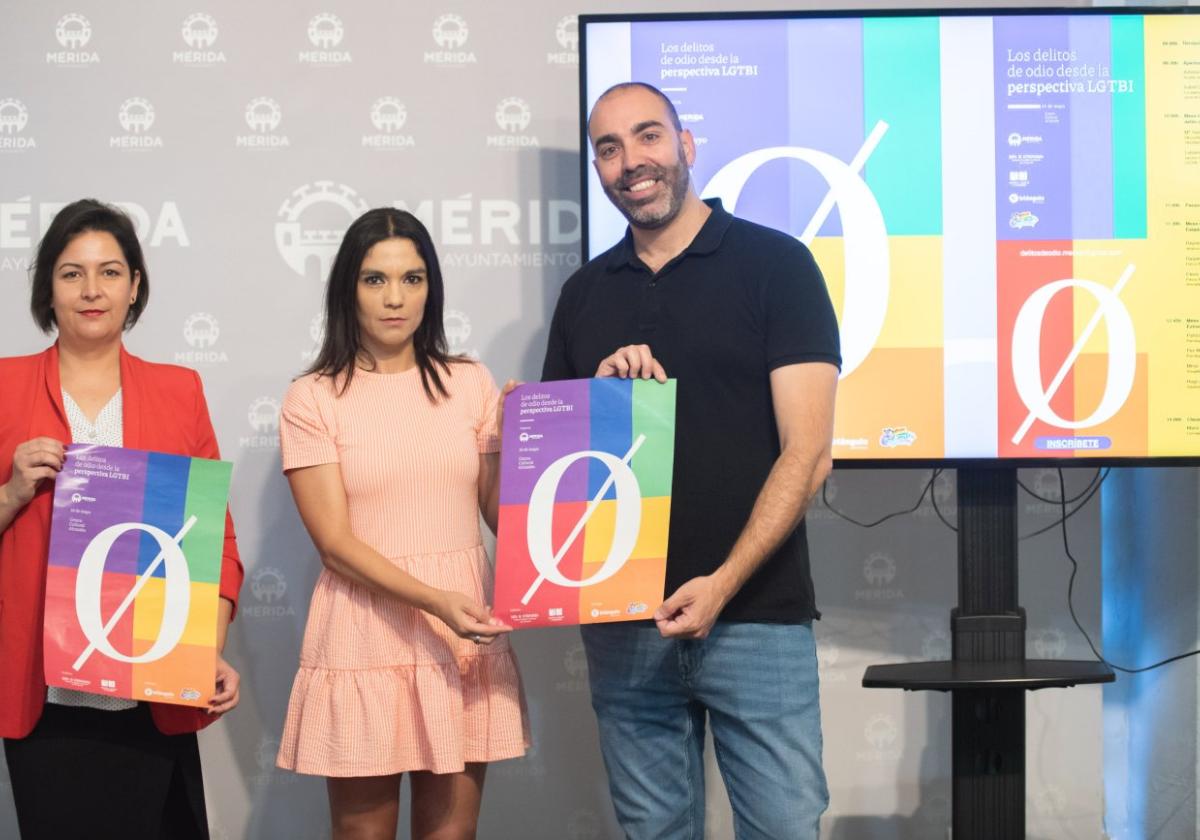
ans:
(641, 158)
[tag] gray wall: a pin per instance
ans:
(388, 116)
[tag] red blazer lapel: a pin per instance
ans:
(131, 403)
(49, 416)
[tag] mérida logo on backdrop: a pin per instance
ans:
(450, 33)
(199, 34)
(14, 117)
(311, 224)
(73, 32)
(566, 33)
(136, 116)
(513, 117)
(263, 115)
(325, 32)
(201, 331)
(388, 115)
(263, 416)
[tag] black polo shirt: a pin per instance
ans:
(740, 301)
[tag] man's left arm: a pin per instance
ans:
(803, 396)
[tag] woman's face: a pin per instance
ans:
(92, 289)
(391, 290)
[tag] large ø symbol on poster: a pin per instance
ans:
(864, 234)
(539, 522)
(177, 592)
(1026, 354)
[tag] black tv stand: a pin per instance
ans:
(988, 673)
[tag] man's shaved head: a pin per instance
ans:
(623, 86)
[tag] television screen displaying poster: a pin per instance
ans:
(585, 501)
(1002, 202)
(132, 585)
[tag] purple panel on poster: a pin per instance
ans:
(1089, 116)
(548, 420)
(1033, 139)
(825, 107)
(93, 492)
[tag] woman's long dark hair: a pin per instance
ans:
(342, 349)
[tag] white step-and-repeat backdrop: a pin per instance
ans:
(243, 138)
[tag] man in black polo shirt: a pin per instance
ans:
(740, 316)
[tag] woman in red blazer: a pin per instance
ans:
(79, 767)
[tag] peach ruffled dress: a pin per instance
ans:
(383, 687)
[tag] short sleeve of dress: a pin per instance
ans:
(488, 403)
(307, 426)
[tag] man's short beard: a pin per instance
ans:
(637, 217)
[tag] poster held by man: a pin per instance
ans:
(585, 501)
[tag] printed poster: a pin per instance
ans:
(132, 585)
(585, 501)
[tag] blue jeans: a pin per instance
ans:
(755, 683)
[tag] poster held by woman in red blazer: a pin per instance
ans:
(127, 770)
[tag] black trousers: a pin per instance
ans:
(85, 773)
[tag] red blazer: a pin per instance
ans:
(164, 411)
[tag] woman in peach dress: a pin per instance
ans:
(390, 447)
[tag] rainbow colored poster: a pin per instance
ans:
(585, 501)
(134, 573)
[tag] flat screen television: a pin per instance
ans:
(1005, 205)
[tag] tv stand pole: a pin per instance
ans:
(988, 673)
